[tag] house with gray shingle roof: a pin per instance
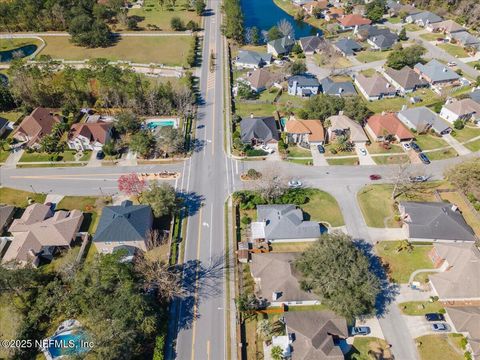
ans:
(310, 44)
(405, 80)
(434, 221)
(281, 46)
(303, 85)
(347, 47)
(466, 39)
(475, 95)
(423, 18)
(123, 225)
(375, 87)
(447, 26)
(422, 119)
(337, 88)
(466, 320)
(258, 130)
(436, 73)
(464, 109)
(6, 215)
(382, 41)
(252, 59)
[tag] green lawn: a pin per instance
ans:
(367, 56)
(245, 109)
(474, 64)
(430, 142)
(90, 205)
(416, 308)
(168, 50)
(473, 146)
(391, 159)
(290, 247)
(366, 348)
(8, 44)
(301, 161)
(4, 155)
(368, 72)
(412, 27)
(454, 50)
(437, 347)
(402, 264)
(340, 62)
(153, 14)
(395, 20)
(395, 104)
(431, 36)
(297, 151)
(377, 148)
(323, 207)
(19, 198)
(13, 116)
(68, 155)
(343, 161)
(10, 321)
(442, 154)
(466, 133)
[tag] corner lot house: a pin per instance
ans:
(423, 18)
(310, 44)
(341, 125)
(466, 320)
(464, 109)
(89, 136)
(281, 46)
(304, 132)
(382, 126)
(35, 126)
(276, 280)
(347, 47)
(316, 334)
(375, 87)
(434, 221)
(349, 22)
(337, 88)
(303, 85)
(124, 225)
(258, 130)
(436, 73)
(40, 232)
(252, 60)
(405, 80)
(422, 119)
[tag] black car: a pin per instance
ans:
(434, 317)
(415, 147)
(100, 155)
(321, 149)
(424, 158)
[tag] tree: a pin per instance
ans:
(177, 24)
(170, 140)
(297, 49)
(276, 353)
(7, 102)
(405, 245)
(245, 92)
(161, 198)
(247, 302)
(192, 26)
(233, 22)
(356, 109)
(323, 106)
(252, 36)
(408, 56)
(89, 33)
(458, 124)
(264, 328)
(131, 184)
(342, 143)
(127, 122)
(200, 6)
(466, 177)
(272, 186)
(274, 33)
(402, 35)
(374, 10)
(142, 142)
(286, 28)
(109, 148)
(297, 67)
(340, 274)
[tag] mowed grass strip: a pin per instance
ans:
(167, 50)
(323, 207)
(19, 198)
(436, 347)
(418, 308)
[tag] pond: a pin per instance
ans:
(20, 52)
(264, 14)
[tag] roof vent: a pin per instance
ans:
(445, 69)
(454, 207)
(251, 115)
(276, 295)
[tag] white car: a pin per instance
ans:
(406, 146)
(294, 184)
(452, 64)
(267, 149)
(363, 152)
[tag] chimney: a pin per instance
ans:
(340, 90)
(454, 207)
(251, 115)
(275, 295)
(340, 113)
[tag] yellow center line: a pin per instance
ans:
(195, 297)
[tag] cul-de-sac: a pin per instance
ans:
(240, 179)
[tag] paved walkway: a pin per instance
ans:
(459, 148)
(13, 159)
(384, 234)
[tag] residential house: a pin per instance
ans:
(299, 2)
(304, 132)
(332, 14)
(423, 18)
(280, 47)
(36, 125)
(436, 73)
(6, 216)
(252, 59)
(464, 109)
(313, 8)
(303, 85)
(466, 39)
(283, 223)
(381, 127)
(422, 119)
(405, 80)
(475, 95)
(447, 27)
(89, 136)
(316, 334)
(3, 125)
(262, 79)
(347, 47)
(341, 125)
(383, 41)
(124, 226)
(466, 320)
(310, 44)
(349, 22)
(434, 221)
(40, 232)
(364, 32)
(458, 284)
(396, 8)
(337, 88)
(277, 281)
(375, 87)
(258, 130)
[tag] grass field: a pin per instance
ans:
(468, 215)
(402, 264)
(412, 27)
(245, 109)
(473, 146)
(90, 205)
(343, 161)
(430, 142)
(416, 308)
(367, 56)
(290, 247)
(466, 133)
(10, 321)
(323, 207)
(296, 151)
(4, 155)
(377, 148)
(63, 156)
(454, 50)
(363, 348)
(431, 36)
(442, 154)
(8, 44)
(391, 159)
(395, 104)
(340, 62)
(444, 346)
(12, 116)
(162, 50)
(19, 198)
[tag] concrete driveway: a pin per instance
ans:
(363, 159)
(418, 326)
(461, 150)
(375, 329)
(318, 159)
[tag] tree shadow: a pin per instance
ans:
(197, 145)
(208, 12)
(191, 201)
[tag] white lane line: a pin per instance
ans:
(236, 167)
(233, 177)
(211, 231)
(189, 171)
(228, 180)
(183, 173)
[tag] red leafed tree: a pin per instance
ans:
(131, 184)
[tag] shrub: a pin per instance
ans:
(442, 311)
(159, 347)
(458, 124)
(177, 24)
(255, 152)
(254, 174)
(246, 220)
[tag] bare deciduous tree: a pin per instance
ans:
(286, 28)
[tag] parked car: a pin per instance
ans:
(375, 177)
(321, 149)
(424, 158)
(452, 63)
(416, 179)
(415, 147)
(434, 317)
(266, 149)
(406, 146)
(294, 184)
(100, 155)
(360, 330)
(439, 327)
(363, 152)
(201, 126)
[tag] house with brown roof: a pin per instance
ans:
(380, 127)
(375, 87)
(6, 215)
(334, 13)
(341, 125)
(89, 136)
(261, 79)
(446, 27)
(405, 80)
(40, 232)
(304, 132)
(464, 109)
(466, 320)
(349, 22)
(36, 125)
(312, 7)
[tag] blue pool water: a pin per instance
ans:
(283, 121)
(69, 343)
(164, 122)
(323, 229)
(20, 52)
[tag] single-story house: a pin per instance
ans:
(124, 225)
(466, 39)
(304, 132)
(436, 73)
(475, 95)
(316, 334)
(422, 119)
(89, 136)
(405, 80)
(252, 59)
(434, 221)
(283, 223)
(311, 7)
(40, 232)
(383, 41)
(447, 27)
(375, 87)
(276, 280)
(333, 13)
(258, 130)
(423, 18)
(303, 85)
(458, 283)
(337, 88)
(382, 126)
(464, 109)
(310, 44)
(281, 46)
(466, 320)
(347, 47)
(349, 22)
(6, 216)
(395, 8)
(261, 79)
(341, 125)
(3, 125)
(36, 125)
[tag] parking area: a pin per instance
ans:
(419, 326)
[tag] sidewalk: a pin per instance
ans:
(461, 150)
(13, 159)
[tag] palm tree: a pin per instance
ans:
(264, 328)
(405, 245)
(342, 143)
(276, 353)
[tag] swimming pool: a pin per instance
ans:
(154, 123)
(283, 121)
(68, 343)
